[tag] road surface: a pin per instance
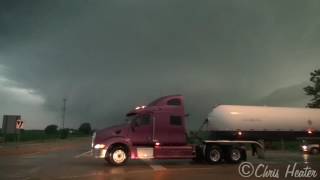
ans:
(77, 163)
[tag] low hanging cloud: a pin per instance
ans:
(16, 100)
(292, 96)
(106, 57)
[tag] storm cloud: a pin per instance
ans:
(106, 57)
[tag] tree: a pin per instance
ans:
(51, 129)
(64, 133)
(85, 128)
(314, 89)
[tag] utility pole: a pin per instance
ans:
(64, 111)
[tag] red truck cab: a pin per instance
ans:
(155, 131)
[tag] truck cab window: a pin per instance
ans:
(174, 102)
(143, 120)
(131, 119)
(176, 120)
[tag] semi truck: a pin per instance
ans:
(158, 131)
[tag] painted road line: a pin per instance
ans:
(88, 153)
(155, 167)
(158, 168)
(31, 155)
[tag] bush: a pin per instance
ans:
(85, 128)
(64, 133)
(51, 129)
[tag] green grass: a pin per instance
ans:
(37, 135)
(287, 145)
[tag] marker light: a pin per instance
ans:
(309, 132)
(157, 144)
(240, 133)
(140, 107)
(305, 148)
(99, 146)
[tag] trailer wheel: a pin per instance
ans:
(235, 155)
(214, 154)
(118, 156)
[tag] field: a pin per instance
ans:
(37, 135)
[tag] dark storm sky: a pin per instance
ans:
(106, 57)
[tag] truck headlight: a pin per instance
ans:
(99, 146)
(305, 148)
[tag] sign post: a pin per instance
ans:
(19, 126)
(12, 125)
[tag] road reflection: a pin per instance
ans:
(306, 158)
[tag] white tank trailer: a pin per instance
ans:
(263, 122)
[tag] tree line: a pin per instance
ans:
(84, 128)
(313, 90)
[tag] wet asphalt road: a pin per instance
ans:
(78, 164)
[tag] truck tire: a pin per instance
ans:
(118, 156)
(235, 155)
(213, 154)
(314, 151)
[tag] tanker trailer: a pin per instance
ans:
(262, 122)
(232, 127)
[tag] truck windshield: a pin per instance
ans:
(130, 119)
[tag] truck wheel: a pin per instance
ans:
(314, 151)
(214, 154)
(235, 155)
(118, 156)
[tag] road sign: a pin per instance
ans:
(9, 123)
(19, 124)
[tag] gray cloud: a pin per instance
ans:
(287, 96)
(108, 56)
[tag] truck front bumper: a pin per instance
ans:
(99, 153)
